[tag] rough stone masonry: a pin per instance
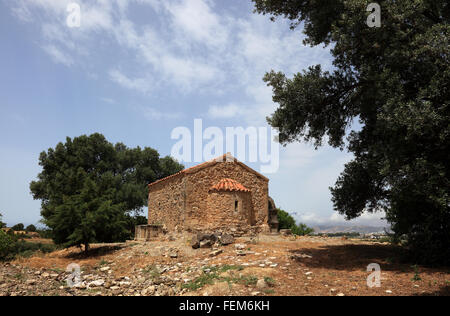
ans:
(222, 194)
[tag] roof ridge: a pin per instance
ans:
(223, 158)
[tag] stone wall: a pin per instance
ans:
(166, 203)
(147, 232)
(184, 202)
(199, 183)
(222, 212)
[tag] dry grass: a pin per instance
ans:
(337, 266)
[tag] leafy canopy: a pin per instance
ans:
(31, 228)
(389, 94)
(18, 227)
(88, 188)
(6, 245)
(1, 223)
(286, 221)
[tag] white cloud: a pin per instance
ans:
(58, 56)
(22, 12)
(108, 100)
(186, 73)
(227, 111)
(143, 85)
(187, 45)
(154, 114)
(297, 155)
(96, 17)
(195, 19)
(366, 219)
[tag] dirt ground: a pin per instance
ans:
(268, 265)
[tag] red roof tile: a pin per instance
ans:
(229, 185)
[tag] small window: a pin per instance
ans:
(236, 205)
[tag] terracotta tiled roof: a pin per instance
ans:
(223, 158)
(228, 185)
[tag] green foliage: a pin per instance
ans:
(89, 187)
(201, 281)
(416, 276)
(21, 247)
(12, 247)
(31, 228)
(6, 245)
(2, 225)
(286, 221)
(211, 274)
(270, 281)
(152, 271)
(392, 80)
(45, 233)
(133, 221)
(302, 230)
(18, 227)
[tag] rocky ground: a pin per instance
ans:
(267, 265)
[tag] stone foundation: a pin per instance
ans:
(147, 232)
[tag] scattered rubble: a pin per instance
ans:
(285, 232)
(261, 284)
(166, 268)
(300, 256)
(204, 240)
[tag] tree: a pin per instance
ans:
(6, 245)
(2, 225)
(286, 221)
(30, 228)
(89, 187)
(18, 227)
(302, 230)
(394, 81)
(133, 221)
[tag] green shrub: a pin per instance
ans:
(10, 248)
(6, 245)
(45, 233)
(1, 223)
(18, 227)
(286, 221)
(30, 228)
(301, 230)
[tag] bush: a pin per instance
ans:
(30, 228)
(6, 245)
(18, 227)
(11, 248)
(1, 223)
(45, 233)
(286, 221)
(301, 230)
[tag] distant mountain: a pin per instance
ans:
(330, 229)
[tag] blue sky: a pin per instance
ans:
(135, 70)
